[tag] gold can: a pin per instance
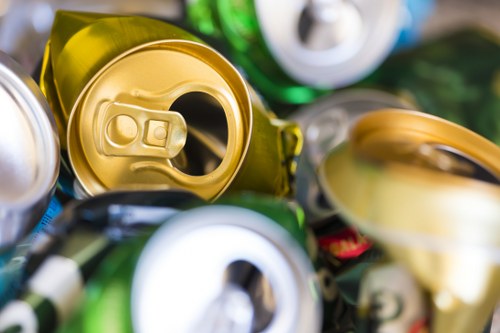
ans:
(142, 104)
(428, 191)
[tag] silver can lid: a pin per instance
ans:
(326, 124)
(29, 150)
(224, 269)
(329, 43)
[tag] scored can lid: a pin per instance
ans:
(144, 121)
(29, 147)
(329, 43)
(228, 266)
(406, 175)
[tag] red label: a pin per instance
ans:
(346, 244)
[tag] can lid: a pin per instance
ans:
(29, 147)
(220, 267)
(417, 180)
(166, 114)
(327, 122)
(329, 43)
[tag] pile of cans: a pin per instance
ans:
(244, 166)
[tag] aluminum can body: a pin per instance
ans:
(155, 108)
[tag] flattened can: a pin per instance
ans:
(428, 191)
(217, 268)
(325, 124)
(295, 50)
(152, 107)
(29, 153)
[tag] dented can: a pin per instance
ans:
(294, 51)
(153, 107)
(325, 124)
(428, 191)
(391, 301)
(250, 275)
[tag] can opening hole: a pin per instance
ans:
(207, 133)
(249, 278)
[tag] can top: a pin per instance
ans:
(165, 114)
(29, 148)
(329, 43)
(417, 180)
(239, 266)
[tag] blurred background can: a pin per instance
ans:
(428, 191)
(25, 25)
(153, 108)
(325, 124)
(219, 268)
(294, 51)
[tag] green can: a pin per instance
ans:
(456, 77)
(218, 268)
(295, 50)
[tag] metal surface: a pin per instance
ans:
(326, 124)
(160, 110)
(235, 250)
(329, 43)
(426, 206)
(400, 306)
(29, 160)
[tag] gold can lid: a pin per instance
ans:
(425, 141)
(167, 114)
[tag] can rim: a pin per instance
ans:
(15, 78)
(368, 176)
(331, 67)
(261, 226)
(75, 111)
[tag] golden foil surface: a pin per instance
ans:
(425, 208)
(115, 82)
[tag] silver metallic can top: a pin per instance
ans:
(29, 152)
(329, 43)
(325, 124)
(224, 269)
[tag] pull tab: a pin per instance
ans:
(131, 130)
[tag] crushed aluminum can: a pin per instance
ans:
(428, 191)
(29, 149)
(295, 50)
(64, 255)
(391, 301)
(155, 108)
(245, 271)
(25, 25)
(325, 124)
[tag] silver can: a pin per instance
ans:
(29, 153)
(325, 124)
(329, 43)
(391, 301)
(224, 269)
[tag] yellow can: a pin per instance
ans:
(428, 191)
(142, 104)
